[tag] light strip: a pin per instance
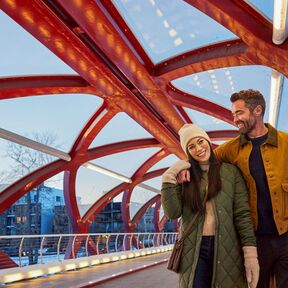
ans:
(118, 176)
(147, 187)
(107, 172)
(13, 137)
(280, 22)
(275, 96)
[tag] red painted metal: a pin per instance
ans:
(125, 207)
(179, 97)
(6, 262)
(157, 216)
(19, 188)
(218, 55)
(162, 222)
(138, 216)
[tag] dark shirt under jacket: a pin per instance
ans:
(266, 223)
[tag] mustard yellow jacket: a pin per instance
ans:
(275, 159)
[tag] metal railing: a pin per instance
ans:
(41, 249)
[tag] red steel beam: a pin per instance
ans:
(181, 98)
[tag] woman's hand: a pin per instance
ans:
(251, 265)
(170, 175)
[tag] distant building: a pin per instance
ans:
(109, 220)
(33, 213)
(146, 224)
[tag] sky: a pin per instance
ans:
(162, 33)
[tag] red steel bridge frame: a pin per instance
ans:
(93, 39)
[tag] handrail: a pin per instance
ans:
(52, 247)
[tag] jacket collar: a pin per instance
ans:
(271, 139)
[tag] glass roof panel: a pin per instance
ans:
(116, 131)
(27, 116)
(265, 7)
(90, 186)
(139, 197)
(164, 33)
(218, 85)
(166, 162)
(133, 160)
(206, 122)
(32, 58)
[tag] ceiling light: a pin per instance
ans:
(275, 96)
(21, 140)
(178, 41)
(107, 172)
(280, 21)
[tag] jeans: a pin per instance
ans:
(273, 259)
(204, 268)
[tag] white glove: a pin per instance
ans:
(251, 265)
(170, 174)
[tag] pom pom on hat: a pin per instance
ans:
(189, 131)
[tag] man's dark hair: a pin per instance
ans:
(252, 99)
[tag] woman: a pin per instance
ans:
(212, 254)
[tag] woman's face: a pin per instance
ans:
(199, 150)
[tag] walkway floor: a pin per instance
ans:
(156, 276)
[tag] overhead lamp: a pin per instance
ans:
(107, 172)
(275, 96)
(118, 176)
(280, 22)
(150, 188)
(13, 137)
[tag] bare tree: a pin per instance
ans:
(24, 161)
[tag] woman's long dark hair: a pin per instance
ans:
(191, 189)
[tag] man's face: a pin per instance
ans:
(243, 118)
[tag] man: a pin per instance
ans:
(261, 153)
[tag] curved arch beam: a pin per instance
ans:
(19, 188)
(138, 216)
(29, 86)
(188, 100)
(125, 207)
(162, 222)
(95, 124)
(70, 199)
(118, 147)
(157, 216)
(221, 135)
(218, 55)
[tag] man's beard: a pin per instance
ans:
(248, 126)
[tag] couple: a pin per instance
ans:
(223, 235)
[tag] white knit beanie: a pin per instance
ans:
(189, 131)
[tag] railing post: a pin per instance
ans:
(86, 246)
(20, 251)
(58, 248)
(41, 249)
(124, 241)
(73, 245)
(116, 243)
(107, 243)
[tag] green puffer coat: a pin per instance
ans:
(234, 230)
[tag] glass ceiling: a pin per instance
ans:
(164, 33)
(140, 109)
